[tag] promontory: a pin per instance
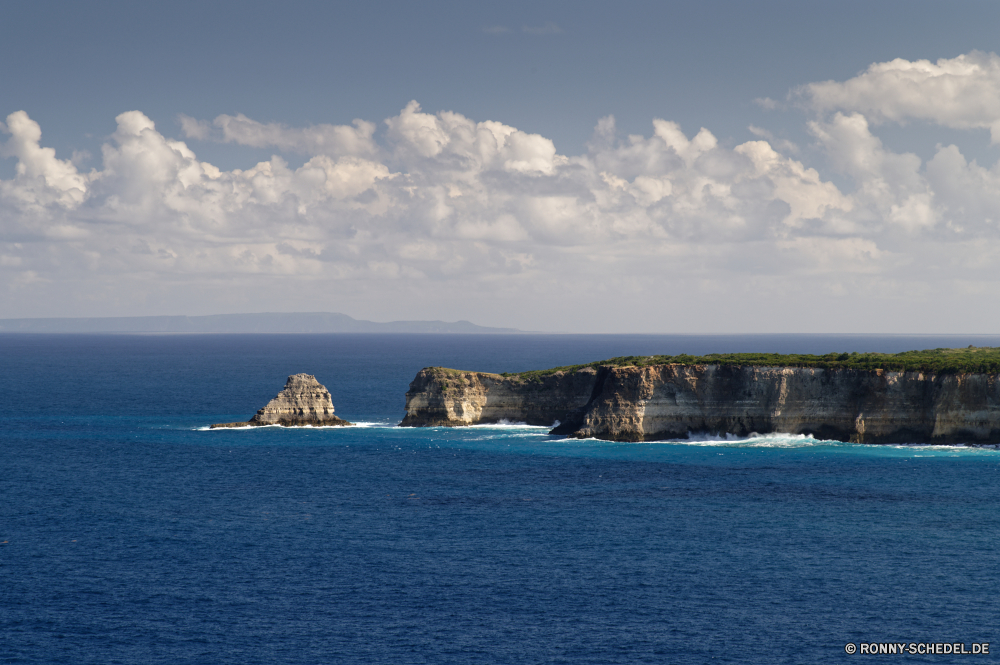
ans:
(304, 401)
(936, 396)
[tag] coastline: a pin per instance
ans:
(636, 401)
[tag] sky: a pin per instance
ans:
(627, 167)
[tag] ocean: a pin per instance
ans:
(130, 533)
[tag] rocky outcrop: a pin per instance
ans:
(670, 401)
(304, 401)
(447, 397)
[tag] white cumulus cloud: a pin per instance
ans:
(41, 178)
(437, 215)
(961, 92)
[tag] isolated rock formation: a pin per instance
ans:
(672, 400)
(304, 401)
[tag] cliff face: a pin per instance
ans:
(304, 401)
(669, 401)
(439, 396)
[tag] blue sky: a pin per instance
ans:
(270, 158)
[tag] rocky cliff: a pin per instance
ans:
(304, 401)
(671, 400)
(447, 397)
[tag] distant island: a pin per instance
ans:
(270, 322)
(930, 396)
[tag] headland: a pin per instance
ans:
(933, 396)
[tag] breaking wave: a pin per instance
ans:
(773, 440)
(362, 425)
(507, 424)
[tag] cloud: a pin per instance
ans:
(428, 213)
(961, 92)
(451, 141)
(323, 139)
(193, 128)
(41, 179)
(890, 183)
(784, 145)
(445, 196)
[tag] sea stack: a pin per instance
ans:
(304, 401)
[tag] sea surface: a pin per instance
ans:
(129, 533)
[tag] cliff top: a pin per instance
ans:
(984, 360)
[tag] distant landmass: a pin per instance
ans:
(269, 322)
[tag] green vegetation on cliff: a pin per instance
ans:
(983, 360)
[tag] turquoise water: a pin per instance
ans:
(131, 534)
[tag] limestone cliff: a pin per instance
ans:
(304, 401)
(671, 400)
(448, 397)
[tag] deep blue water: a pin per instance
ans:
(129, 534)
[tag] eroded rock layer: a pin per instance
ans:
(303, 401)
(447, 397)
(671, 401)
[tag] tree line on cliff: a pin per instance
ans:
(973, 360)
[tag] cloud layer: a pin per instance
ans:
(962, 92)
(435, 215)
